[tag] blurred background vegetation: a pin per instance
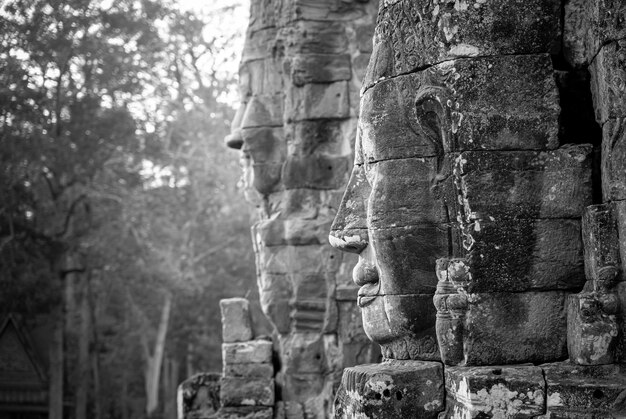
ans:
(121, 223)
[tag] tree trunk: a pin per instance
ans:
(55, 404)
(95, 352)
(82, 384)
(155, 361)
(170, 387)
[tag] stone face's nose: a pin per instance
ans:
(349, 229)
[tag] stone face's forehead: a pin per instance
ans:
(488, 103)
(413, 34)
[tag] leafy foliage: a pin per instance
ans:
(113, 176)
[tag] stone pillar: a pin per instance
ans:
(247, 384)
(302, 68)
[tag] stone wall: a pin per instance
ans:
(302, 68)
(484, 184)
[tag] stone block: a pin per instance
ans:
(487, 103)
(199, 396)
(327, 137)
(259, 44)
(311, 315)
(582, 392)
(264, 145)
(262, 15)
(301, 260)
(243, 391)
(251, 352)
(328, 10)
(516, 256)
(524, 184)
(588, 25)
(391, 390)
(608, 81)
(314, 37)
(619, 208)
(266, 177)
(318, 68)
(236, 322)
(410, 198)
(295, 232)
(614, 160)
(592, 327)
(406, 256)
(495, 392)
(251, 371)
(601, 243)
(318, 101)
(412, 35)
(316, 172)
(245, 412)
(263, 111)
(303, 354)
(260, 77)
(500, 328)
(522, 255)
(300, 386)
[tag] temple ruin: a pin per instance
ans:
(483, 222)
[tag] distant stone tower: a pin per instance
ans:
(302, 68)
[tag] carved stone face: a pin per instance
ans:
(393, 216)
(458, 159)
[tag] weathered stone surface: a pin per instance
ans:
(275, 292)
(318, 68)
(494, 392)
(488, 103)
(236, 322)
(619, 208)
(589, 24)
(578, 392)
(254, 351)
(500, 328)
(410, 200)
(592, 327)
(264, 110)
(264, 145)
(389, 320)
(524, 184)
(325, 137)
(299, 83)
(314, 37)
(614, 160)
(260, 77)
(406, 257)
(199, 396)
(521, 255)
(391, 390)
(411, 35)
(601, 243)
(318, 101)
(255, 370)
(315, 172)
(608, 81)
(330, 10)
(259, 44)
(266, 177)
(236, 391)
(245, 412)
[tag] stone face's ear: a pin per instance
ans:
(433, 115)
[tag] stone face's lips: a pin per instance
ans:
(367, 294)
